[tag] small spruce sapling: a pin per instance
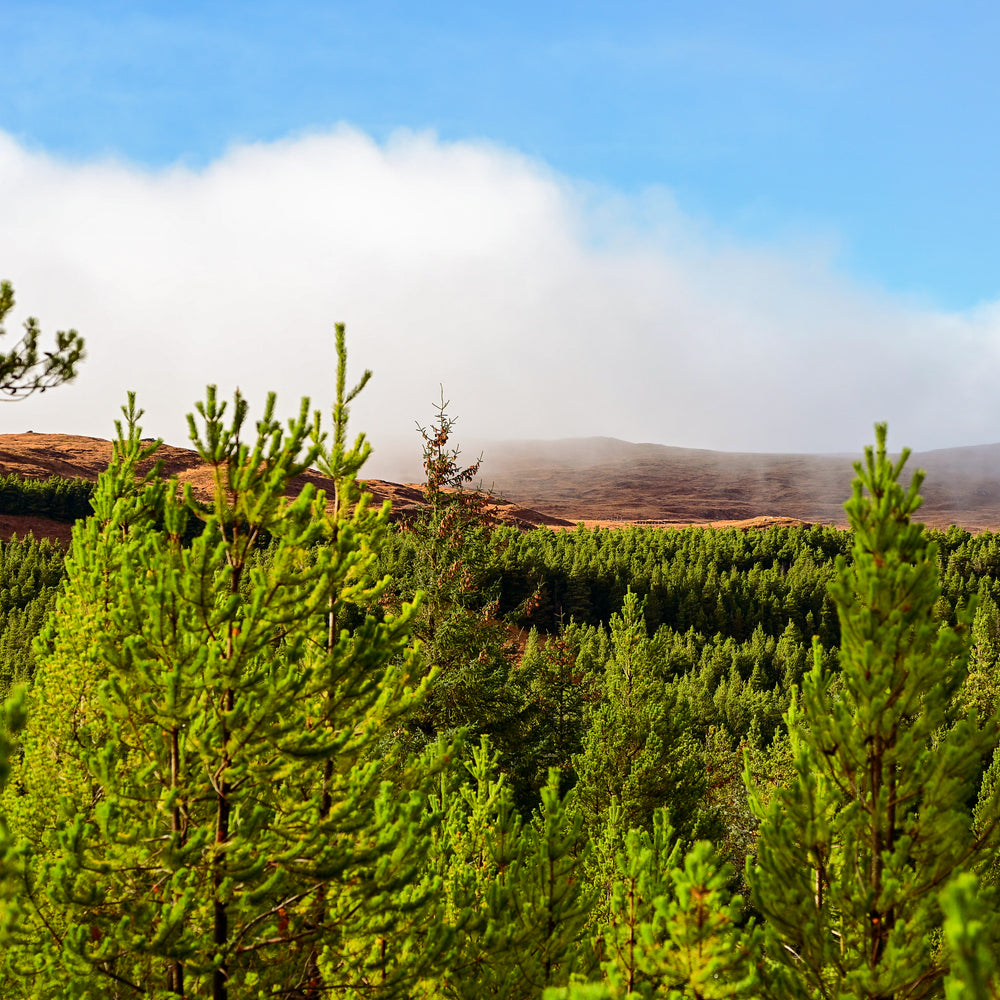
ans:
(462, 637)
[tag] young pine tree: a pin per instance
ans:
(556, 689)
(512, 888)
(200, 806)
(974, 972)
(852, 856)
(638, 748)
(11, 722)
(667, 926)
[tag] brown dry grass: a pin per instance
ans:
(606, 481)
(598, 482)
(40, 456)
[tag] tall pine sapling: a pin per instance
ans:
(638, 748)
(851, 857)
(202, 807)
(666, 924)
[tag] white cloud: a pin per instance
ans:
(546, 309)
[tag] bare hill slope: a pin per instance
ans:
(603, 480)
(609, 480)
(40, 456)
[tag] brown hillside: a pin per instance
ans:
(39, 456)
(601, 481)
(609, 480)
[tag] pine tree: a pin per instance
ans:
(202, 809)
(852, 856)
(981, 686)
(512, 889)
(11, 723)
(638, 748)
(668, 926)
(556, 689)
(969, 933)
(23, 371)
(463, 638)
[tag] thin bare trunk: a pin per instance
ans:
(312, 976)
(220, 929)
(220, 937)
(175, 974)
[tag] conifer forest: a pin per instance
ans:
(281, 746)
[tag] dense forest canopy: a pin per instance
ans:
(264, 747)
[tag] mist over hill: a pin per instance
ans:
(605, 479)
(608, 479)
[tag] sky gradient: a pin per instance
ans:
(761, 167)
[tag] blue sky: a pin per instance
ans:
(772, 204)
(871, 125)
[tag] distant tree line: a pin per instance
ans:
(57, 498)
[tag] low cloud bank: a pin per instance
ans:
(545, 308)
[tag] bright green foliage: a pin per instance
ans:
(704, 952)
(975, 969)
(986, 864)
(11, 722)
(339, 462)
(669, 927)
(851, 856)
(203, 808)
(641, 872)
(23, 371)
(550, 900)
(512, 889)
(579, 991)
(474, 849)
(790, 657)
(981, 690)
(638, 748)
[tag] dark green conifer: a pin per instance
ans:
(557, 689)
(23, 369)
(463, 637)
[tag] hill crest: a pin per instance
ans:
(606, 481)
